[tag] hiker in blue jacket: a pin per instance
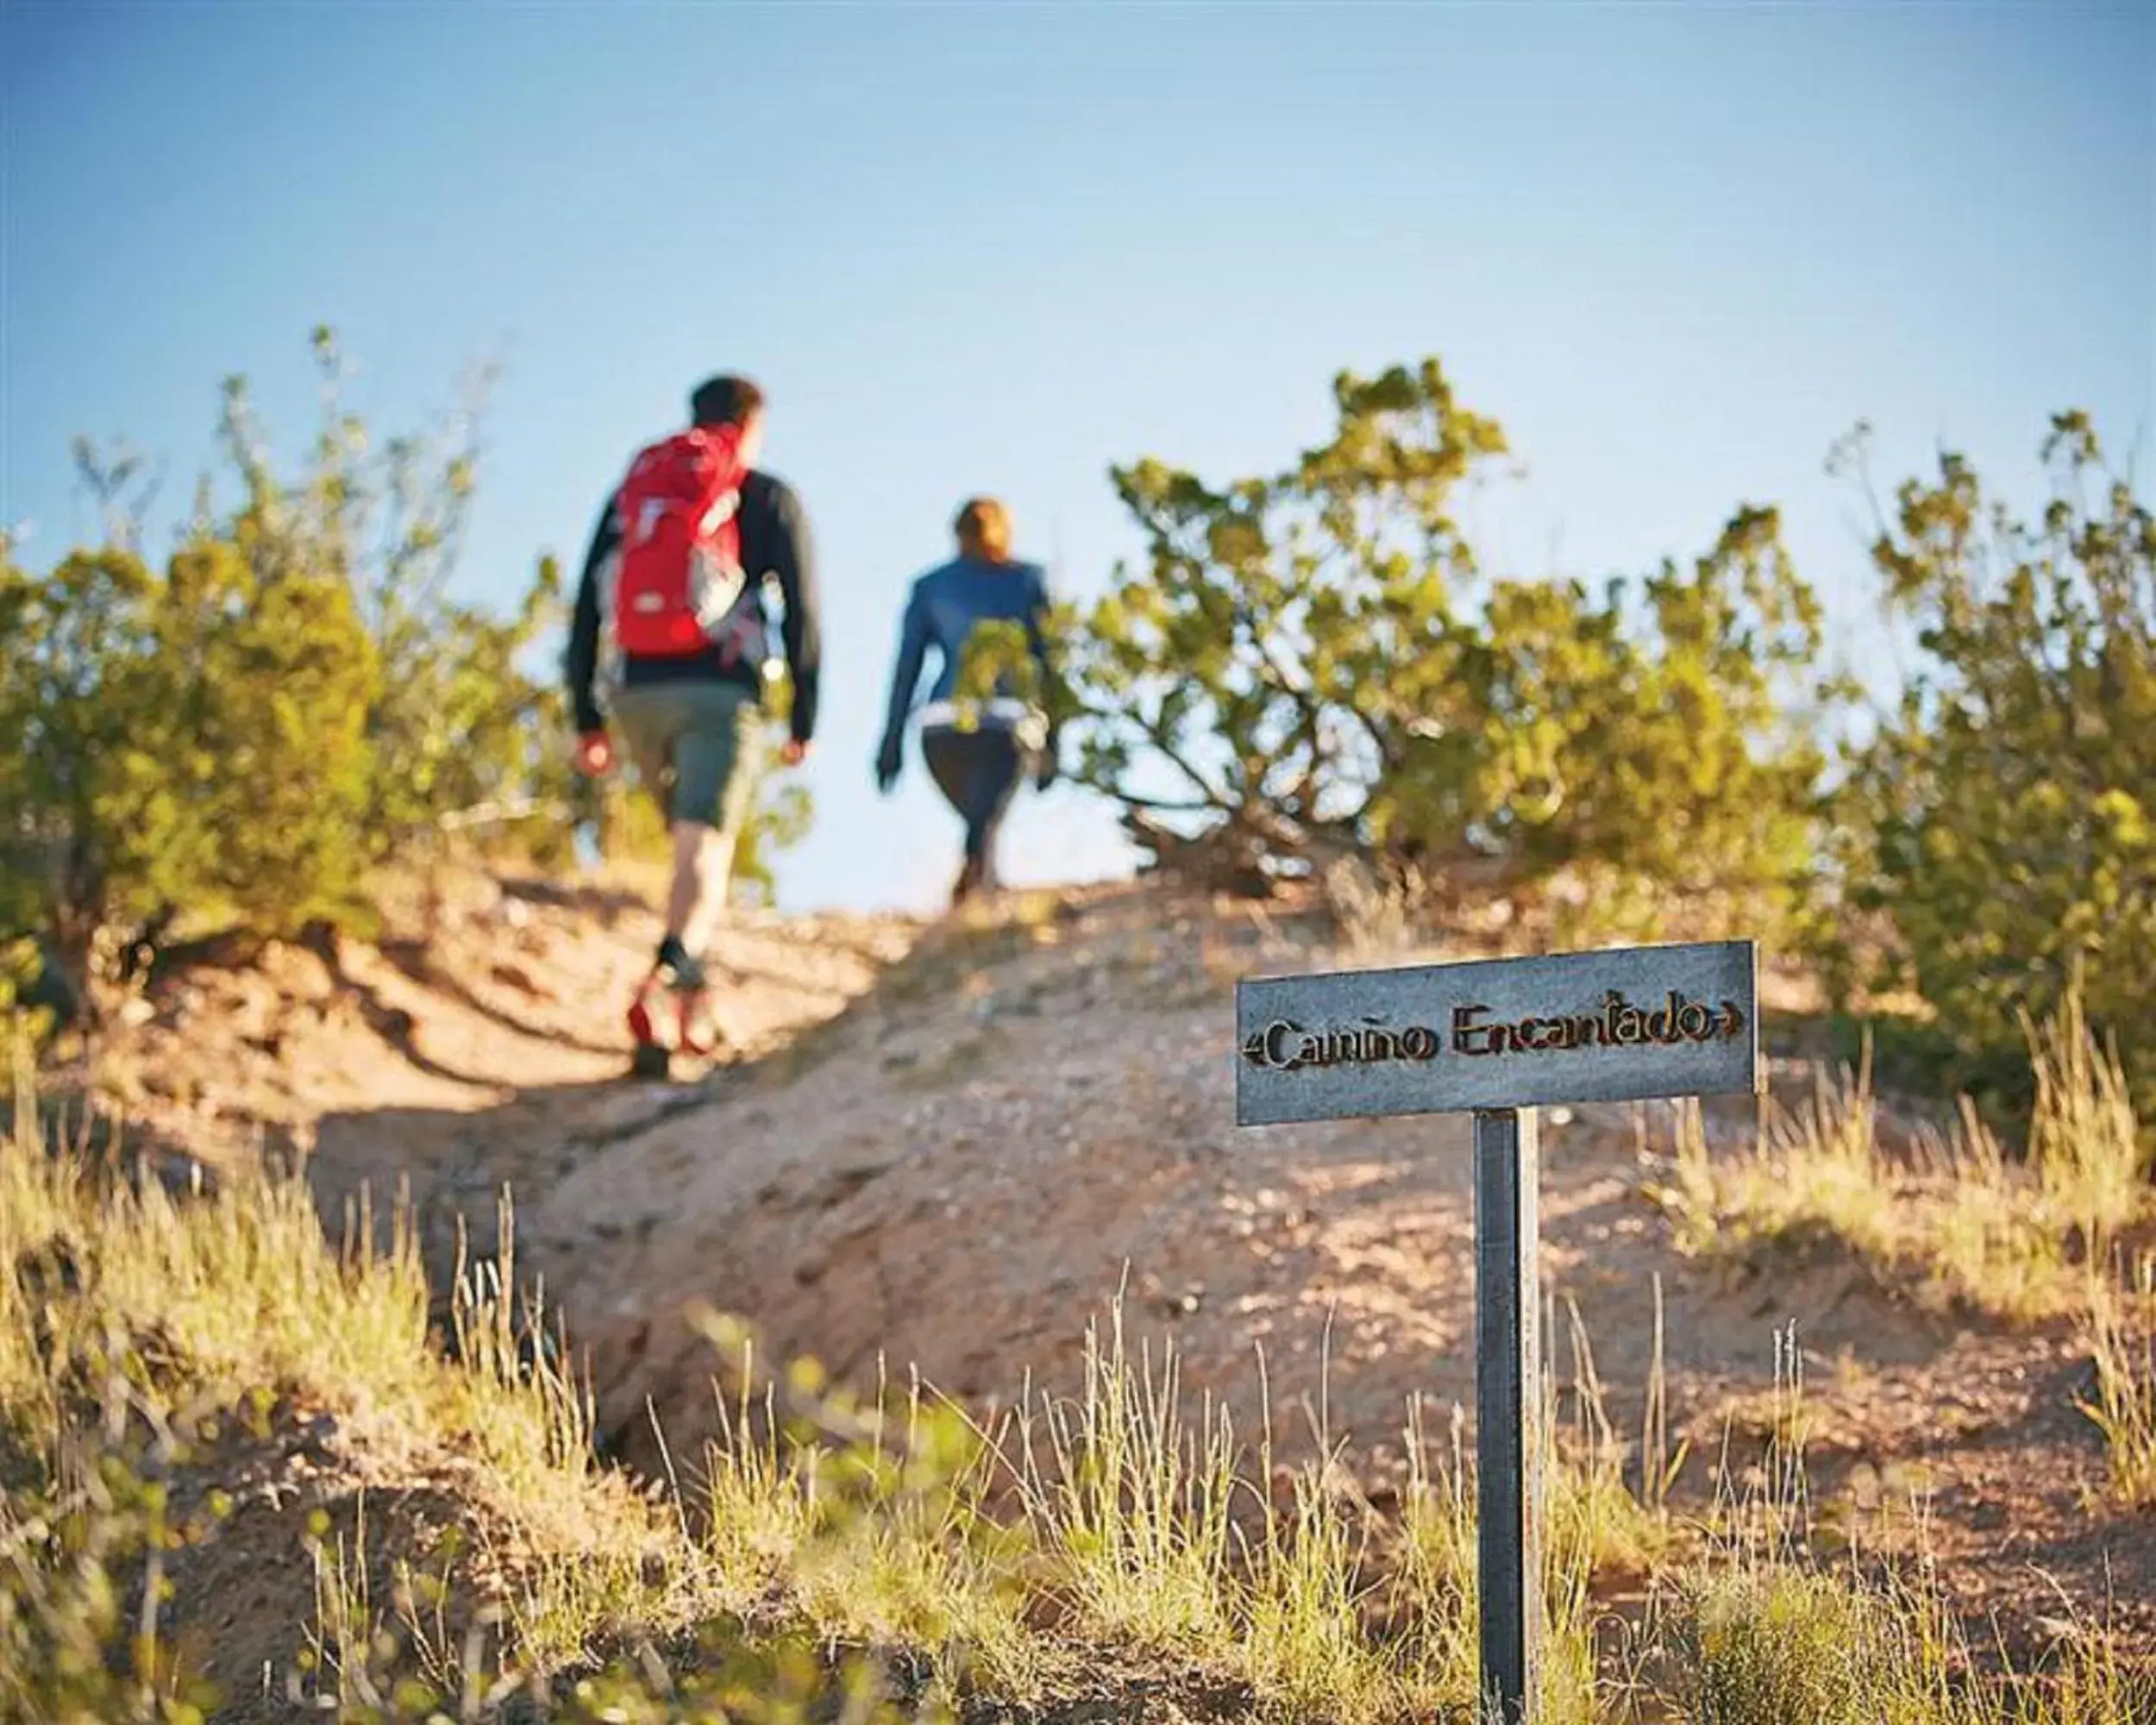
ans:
(978, 766)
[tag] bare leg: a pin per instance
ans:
(703, 860)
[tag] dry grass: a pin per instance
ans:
(2121, 1332)
(994, 1559)
(1118, 1530)
(1011, 1558)
(1758, 1632)
(2022, 1239)
(1958, 1220)
(1761, 1643)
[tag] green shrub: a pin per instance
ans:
(1313, 664)
(2003, 820)
(454, 723)
(193, 737)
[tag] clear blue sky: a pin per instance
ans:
(1676, 250)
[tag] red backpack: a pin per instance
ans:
(680, 575)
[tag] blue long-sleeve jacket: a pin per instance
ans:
(942, 611)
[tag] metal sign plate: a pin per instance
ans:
(1617, 1026)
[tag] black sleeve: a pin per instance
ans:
(582, 662)
(793, 559)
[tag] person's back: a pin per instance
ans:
(955, 599)
(977, 756)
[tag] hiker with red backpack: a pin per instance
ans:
(670, 647)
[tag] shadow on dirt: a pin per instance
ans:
(413, 960)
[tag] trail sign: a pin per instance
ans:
(1611, 1026)
(1497, 1037)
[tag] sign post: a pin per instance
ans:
(1507, 1380)
(1496, 1038)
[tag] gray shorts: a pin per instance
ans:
(698, 746)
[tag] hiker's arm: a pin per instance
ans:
(794, 557)
(581, 660)
(1044, 656)
(906, 675)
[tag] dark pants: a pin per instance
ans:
(978, 773)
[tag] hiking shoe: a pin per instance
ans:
(664, 1014)
(967, 884)
(643, 1026)
(676, 990)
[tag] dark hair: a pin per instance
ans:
(725, 401)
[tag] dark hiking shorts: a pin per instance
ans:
(699, 747)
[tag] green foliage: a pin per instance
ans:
(19, 1018)
(730, 1674)
(783, 811)
(1759, 1642)
(781, 818)
(1313, 662)
(997, 662)
(251, 784)
(453, 722)
(2121, 1332)
(2004, 817)
(73, 1646)
(79, 646)
(193, 736)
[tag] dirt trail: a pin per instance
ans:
(488, 1054)
(946, 1148)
